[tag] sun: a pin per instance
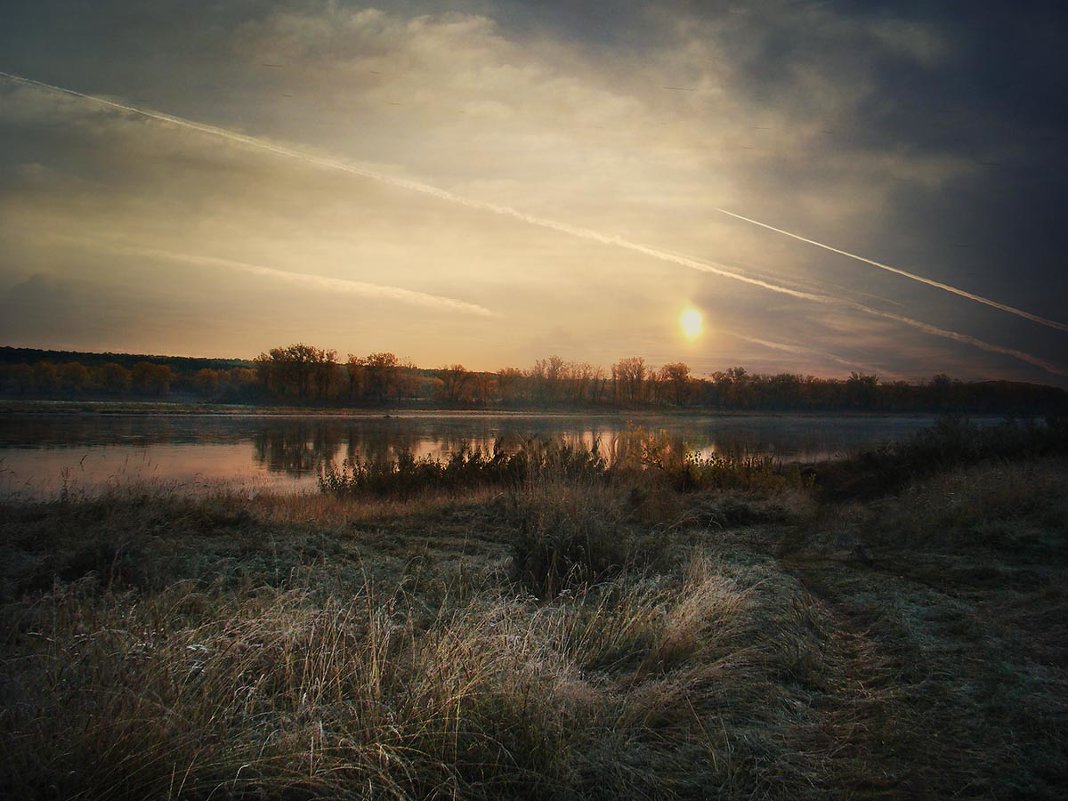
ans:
(691, 323)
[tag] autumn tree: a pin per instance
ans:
(356, 372)
(862, 390)
(628, 377)
(675, 377)
(207, 381)
(381, 369)
(483, 388)
(74, 377)
(152, 379)
(46, 377)
(547, 377)
(598, 385)
(114, 378)
(509, 383)
(381, 377)
(18, 378)
(298, 371)
(455, 384)
(785, 390)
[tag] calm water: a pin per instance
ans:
(42, 454)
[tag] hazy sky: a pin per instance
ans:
(494, 182)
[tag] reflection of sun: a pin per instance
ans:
(691, 323)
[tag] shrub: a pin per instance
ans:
(569, 536)
(538, 458)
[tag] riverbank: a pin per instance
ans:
(184, 408)
(564, 637)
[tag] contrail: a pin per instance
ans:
(540, 222)
(897, 271)
(967, 339)
(799, 350)
(335, 285)
(425, 189)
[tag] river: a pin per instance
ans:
(42, 455)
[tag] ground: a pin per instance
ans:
(583, 638)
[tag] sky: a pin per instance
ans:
(832, 186)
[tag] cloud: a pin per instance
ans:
(632, 122)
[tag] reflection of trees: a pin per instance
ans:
(381, 444)
(378, 443)
(76, 431)
(298, 447)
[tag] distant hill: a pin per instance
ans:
(184, 364)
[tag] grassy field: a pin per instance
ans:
(891, 627)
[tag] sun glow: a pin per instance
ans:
(691, 323)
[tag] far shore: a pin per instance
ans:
(149, 408)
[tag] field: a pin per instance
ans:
(893, 626)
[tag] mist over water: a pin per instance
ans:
(43, 455)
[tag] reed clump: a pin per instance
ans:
(654, 455)
(536, 459)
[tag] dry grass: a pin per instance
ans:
(959, 583)
(191, 692)
(729, 643)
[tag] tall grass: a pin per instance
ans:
(537, 458)
(951, 442)
(572, 536)
(273, 694)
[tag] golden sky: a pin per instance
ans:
(496, 182)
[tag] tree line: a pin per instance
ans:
(305, 375)
(31, 373)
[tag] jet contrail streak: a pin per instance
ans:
(799, 350)
(542, 222)
(927, 328)
(335, 285)
(425, 189)
(897, 271)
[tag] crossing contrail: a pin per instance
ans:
(588, 234)
(966, 339)
(912, 276)
(799, 350)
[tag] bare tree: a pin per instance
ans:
(629, 378)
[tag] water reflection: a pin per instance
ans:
(39, 452)
(295, 448)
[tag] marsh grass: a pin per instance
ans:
(198, 691)
(653, 455)
(576, 535)
(599, 634)
(537, 458)
(951, 442)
